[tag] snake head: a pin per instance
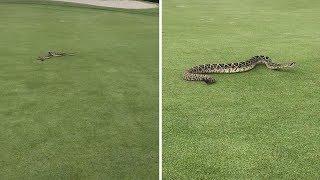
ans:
(289, 65)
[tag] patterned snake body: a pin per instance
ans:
(198, 73)
(51, 54)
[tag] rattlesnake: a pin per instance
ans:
(197, 73)
(51, 54)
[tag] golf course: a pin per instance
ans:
(260, 124)
(93, 115)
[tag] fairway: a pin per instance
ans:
(260, 124)
(89, 116)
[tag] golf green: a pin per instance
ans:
(261, 124)
(89, 116)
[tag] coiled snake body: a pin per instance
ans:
(198, 73)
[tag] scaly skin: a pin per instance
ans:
(198, 73)
(59, 54)
(51, 54)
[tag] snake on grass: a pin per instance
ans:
(199, 73)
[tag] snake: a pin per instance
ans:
(199, 73)
(51, 54)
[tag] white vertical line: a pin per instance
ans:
(160, 90)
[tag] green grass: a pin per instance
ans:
(261, 124)
(89, 116)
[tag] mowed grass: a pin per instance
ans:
(260, 124)
(89, 116)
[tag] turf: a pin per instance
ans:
(261, 124)
(89, 116)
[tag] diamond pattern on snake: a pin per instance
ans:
(51, 54)
(199, 73)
